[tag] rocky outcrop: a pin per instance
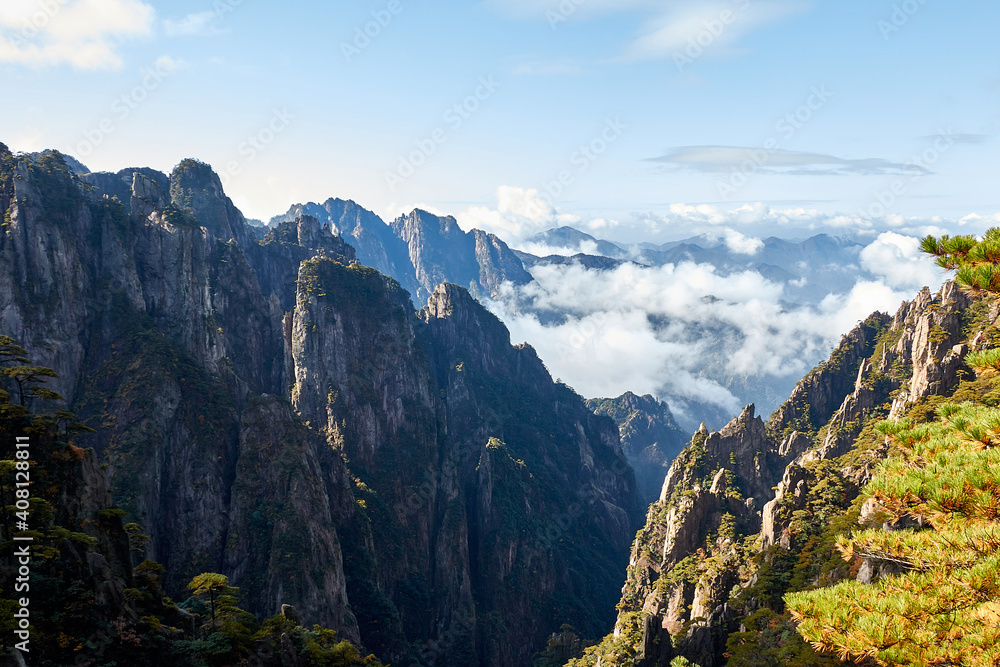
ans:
(441, 252)
(371, 237)
(288, 494)
(930, 331)
(817, 396)
(752, 479)
(649, 434)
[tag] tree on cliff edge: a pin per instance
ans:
(976, 262)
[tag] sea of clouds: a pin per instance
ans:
(687, 332)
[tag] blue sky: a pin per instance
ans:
(822, 105)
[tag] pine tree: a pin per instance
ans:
(216, 586)
(944, 608)
(976, 262)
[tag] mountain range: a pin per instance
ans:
(275, 412)
(250, 444)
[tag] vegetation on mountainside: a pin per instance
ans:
(935, 598)
(944, 607)
(938, 599)
(88, 604)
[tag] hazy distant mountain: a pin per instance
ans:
(420, 250)
(651, 438)
(808, 269)
(580, 242)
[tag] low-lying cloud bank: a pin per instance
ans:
(679, 331)
(691, 333)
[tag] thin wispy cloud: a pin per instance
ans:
(726, 159)
(198, 24)
(690, 29)
(667, 31)
(964, 139)
(536, 10)
(85, 34)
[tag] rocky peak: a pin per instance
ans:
(147, 195)
(310, 234)
(650, 437)
(930, 335)
(123, 184)
(196, 189)
(817, 396)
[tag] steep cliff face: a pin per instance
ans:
(278, 413)
(441, 252)
(420, 250)
(370, 236)
(650, 436)
(73, 541)
(739, 505)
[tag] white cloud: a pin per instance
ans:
(545, 249)
(981, 221)
(898, 260)
(682, 330)
(200, 24)
(741, 244)
(520, 213)
(84, 34)
(689, 29)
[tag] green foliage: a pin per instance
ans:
(681, 661)
(27, 379)
(561, 647)
(984, 361)
(974, 260)
(214, 586)
(318, 646)
(620, 650)
(945, 606)
(51, 176)
(770, 639)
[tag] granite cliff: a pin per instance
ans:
(752, 511)
(651, 438)
(420, 250)
(275, 411)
